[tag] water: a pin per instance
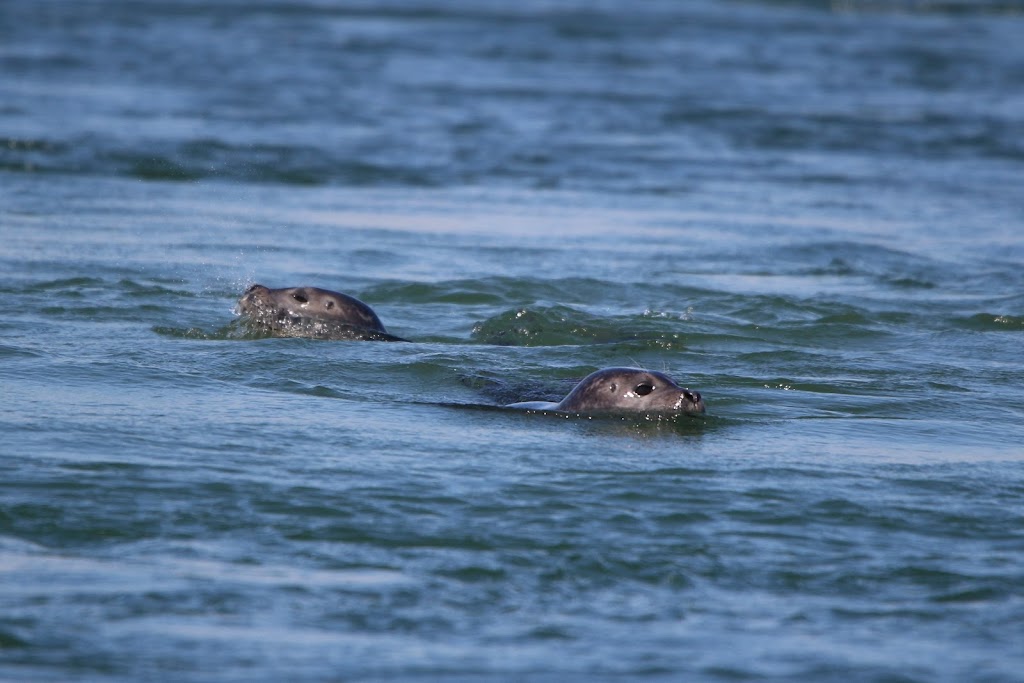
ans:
(809, 212)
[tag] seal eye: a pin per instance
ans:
(300, 298)
(643, 389)
(329, 305)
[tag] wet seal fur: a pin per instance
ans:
(311, 312)
(623, 390)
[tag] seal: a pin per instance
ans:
(311, 312)
(623, 390)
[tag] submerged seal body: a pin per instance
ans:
(623, 390)
(311, 312)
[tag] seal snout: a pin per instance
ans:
(254, 291)
(257, 289)
(690, 401)
(251, 300)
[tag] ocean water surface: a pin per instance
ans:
(810, 212)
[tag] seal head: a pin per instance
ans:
(624, 390)
(310, 312)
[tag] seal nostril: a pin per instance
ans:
(252, 288)
(691, 396)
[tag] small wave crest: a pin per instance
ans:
(994, 322)
(233, 331)
(567, 326)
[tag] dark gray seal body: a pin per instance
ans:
(623, 390)
(311, 312)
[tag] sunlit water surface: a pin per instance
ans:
(808, 212)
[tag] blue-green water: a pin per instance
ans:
(809, 212)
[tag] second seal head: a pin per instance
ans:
(623, 390)
(310, 312)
